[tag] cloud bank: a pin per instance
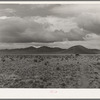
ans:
(18, 30)
(38, 29)
(50, 25)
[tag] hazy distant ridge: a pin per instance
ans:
(48, 50)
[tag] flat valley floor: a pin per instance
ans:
(50, 71)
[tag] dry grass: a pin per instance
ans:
(49, 71)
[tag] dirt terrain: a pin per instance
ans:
(50, 71)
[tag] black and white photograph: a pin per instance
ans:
(50, 46)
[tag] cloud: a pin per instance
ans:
(68, 25)
(92, 37)
(7, 11)
(40, 6)
(39, 29)
(18, 30)
(57, 23)
(50, 25)
(89, 22)
(67, 10)
(76, 34)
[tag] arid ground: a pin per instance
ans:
(50, 71)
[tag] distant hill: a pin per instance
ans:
(32, 50)
(80, 50)
(48, 50)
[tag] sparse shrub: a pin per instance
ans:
(57, 68)
(45, 79)
(3, 60)
(63, 85)
(98, 63)
(35, 60)
(41, 86)
(49, 84)
(30, 81)
(46, 63)
(77, 55)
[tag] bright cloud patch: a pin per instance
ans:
(57, 23)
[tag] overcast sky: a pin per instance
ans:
(51, 25)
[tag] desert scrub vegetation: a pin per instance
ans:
(50, 71)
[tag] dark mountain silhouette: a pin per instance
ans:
(45, 49)
(32, 50)
(48, 50)
(80, 50)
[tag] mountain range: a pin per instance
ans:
(78, 49)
